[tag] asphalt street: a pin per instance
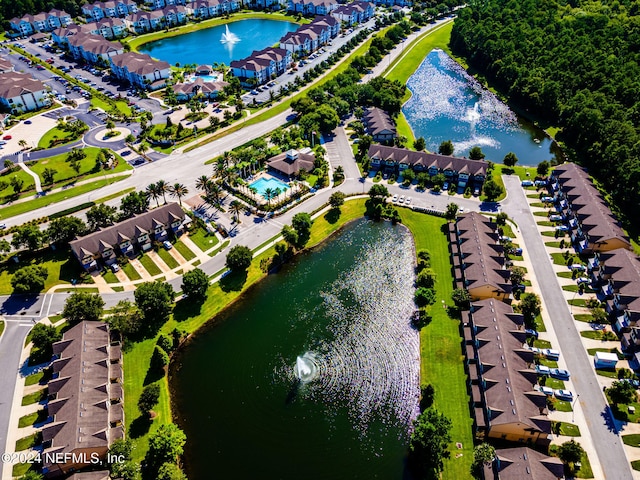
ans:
(602, 428)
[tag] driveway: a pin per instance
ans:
(602, 430)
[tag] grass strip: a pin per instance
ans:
(184, 250)
(168, 259)
(34, 397)
(149, 265)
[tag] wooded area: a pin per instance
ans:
(574, 64)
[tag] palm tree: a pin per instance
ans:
(220, 165)
(163, 188)
(203, 183)
(215, 192)
(153, 191)
(178, 190)
(269, 193)
(235, 208)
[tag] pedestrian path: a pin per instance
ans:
(36, 177)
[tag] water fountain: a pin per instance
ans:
(306, 368)
(229, 37)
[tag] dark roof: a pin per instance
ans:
(506, 367)
(481, 253)
(291, 162)
(590, 207)
(427, 160)
(132, 227)
(82, 411)
(378, 121)
(260, 59)
(623, 266)
(94, 43)
(13, 84)
(199, 85)
(523, 462)
(139, 63)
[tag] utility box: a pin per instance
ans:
(605, 360)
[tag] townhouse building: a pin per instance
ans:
(20, 92)
(259, 67)
(379, 125)
(109, 9)
(108, 28)
(187, 90)
(94, 49)
(459, 171)
(523, 462)
(41, 22)
(355, 12)
(143, 21)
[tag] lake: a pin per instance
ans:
(449, 104)
(205, 46)
(313, 373)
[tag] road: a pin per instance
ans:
(602, 430)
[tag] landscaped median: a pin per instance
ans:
(440, 341)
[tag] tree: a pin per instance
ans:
(570, 452)
(100, 216)
(17, 184)
(236, 207)
(64, 229)
(165, 446)
(29, 279)
(81, 306)
(476, 153)
(461, 298)
(483, 454)
(301, 223)
(378, 192)
(122, 466)
(125, 318)
(163, 189)
(446, 148)
(48, 175)
(149, 398)
(43, 337)
(28, 236)
(154, 299)
(426, 278)
(195, 284)
(419, 144)
(239, 258)
(510, 159)
(530, 307)
(134, 203)
(492, 190)
(170, 471)
(121, 448)
(153, 191)
(159, 360)
(622, 392)
(424, 296)
(452, 211)
(543, 168)
(501, 218)
(517, 275)
(336, 200)
(429, 442)
(110, 125)
(290, 235)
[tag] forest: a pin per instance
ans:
(573, 64)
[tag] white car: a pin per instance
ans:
(564, 395)
(407, 201)
(401, 199)
(395, 198)
(546, 390)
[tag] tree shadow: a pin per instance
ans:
(332, 216)
(233, 281)
(187, 308)
(140, 426)
(153, 375)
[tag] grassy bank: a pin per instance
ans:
(440, 343)
(440, 353)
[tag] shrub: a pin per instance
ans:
(424, 296)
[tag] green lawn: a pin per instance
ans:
(130, 272)
(442, 362)
(553, 244)
(56, 134)
(87, 166)
(6, 190)
(184, 250)
(583, 317)
(28, 442)
(607, 372)
(20, 469)
(203, 240)
(149, 265)
(592, 334)
(121, 106)
(32, 418)
(568, 429)
(554, 383)
(621, 411)
(60, 265)
(34, 397)
(168, 259)
(541, 344)
(39, 377)
(43, 201)
(2, 325)
(110, 277)
(632, 439)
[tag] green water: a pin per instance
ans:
(348, 306)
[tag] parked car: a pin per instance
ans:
(548, 391)
(7, 137)
(3, 226)
(577, 266)
(445, 186)
(556, 218)
(540, 183)
(583, 280)
(27, 122)
(167, 245)
(394, 198)
(527, 183)
(560, 373)
(543, 370)
(551, 354)
(401, 199)
(517, 251)
(532, 333)
(632, 381)
(547, 199)
(564, 395)
(407, 201)
(114, 267)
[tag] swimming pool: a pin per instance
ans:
(262, 184)
(205, 78)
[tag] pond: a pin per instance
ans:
(313, 373)
(449, 104)
(208, 46)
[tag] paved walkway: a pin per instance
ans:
(36, 178)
